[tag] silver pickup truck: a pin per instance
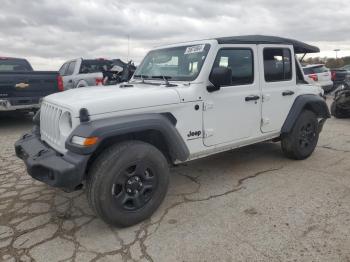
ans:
(83, 72)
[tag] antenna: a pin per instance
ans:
(128, 47)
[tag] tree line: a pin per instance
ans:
(329, 62)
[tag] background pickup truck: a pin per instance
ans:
(83, 72)
(92, 72)
(21, 88)
(341, 76)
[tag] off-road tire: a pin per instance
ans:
(302, 140)
(111, 166)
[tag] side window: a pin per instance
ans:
(70, 69)
(277, 64)
(63, 69)
(241, 63)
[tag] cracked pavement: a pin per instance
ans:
(250, 204)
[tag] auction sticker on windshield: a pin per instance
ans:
(194, 49)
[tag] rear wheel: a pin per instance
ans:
(302, 140)
(127, 183)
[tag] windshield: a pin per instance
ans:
(182, 63)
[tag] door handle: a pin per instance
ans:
(70, 81)
(252, 98)
(287, 93)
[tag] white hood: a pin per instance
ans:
(103, 99)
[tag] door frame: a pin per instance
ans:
(275, 85)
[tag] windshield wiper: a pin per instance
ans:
(166, 80)
(143, 77)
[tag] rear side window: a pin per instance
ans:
(94, 66)
(70, 69)
(277, 64)
(19, 65)
(241, 63)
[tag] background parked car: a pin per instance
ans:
(21, 88)
(341, 77)
(346, 67)
(319, 75)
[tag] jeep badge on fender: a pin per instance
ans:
(192, 134)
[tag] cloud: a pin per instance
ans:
(49, 32)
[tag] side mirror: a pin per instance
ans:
(219, 76)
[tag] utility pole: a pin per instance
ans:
(336, 53)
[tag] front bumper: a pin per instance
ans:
(6, 105)
(48, 166)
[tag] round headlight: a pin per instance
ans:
(65, 123)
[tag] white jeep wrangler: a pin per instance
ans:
(185, 101)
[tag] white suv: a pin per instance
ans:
(185, 101)
(319, 75)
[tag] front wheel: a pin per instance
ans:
(302, 140)
(127, 183)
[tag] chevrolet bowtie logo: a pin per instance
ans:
(22, 85)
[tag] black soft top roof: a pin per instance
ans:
(299, 47)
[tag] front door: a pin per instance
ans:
(278, 82)
(68, 79)
(233, 112)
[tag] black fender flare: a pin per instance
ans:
(315, 103)
(116, 126)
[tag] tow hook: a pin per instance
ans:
(25, 136)
(40, 153)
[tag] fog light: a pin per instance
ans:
(84, 141)
(4, 103)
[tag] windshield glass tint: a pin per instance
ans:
(181, 63)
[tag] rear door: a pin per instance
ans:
(278, 83)
(233, 113)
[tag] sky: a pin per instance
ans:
(50, 32)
